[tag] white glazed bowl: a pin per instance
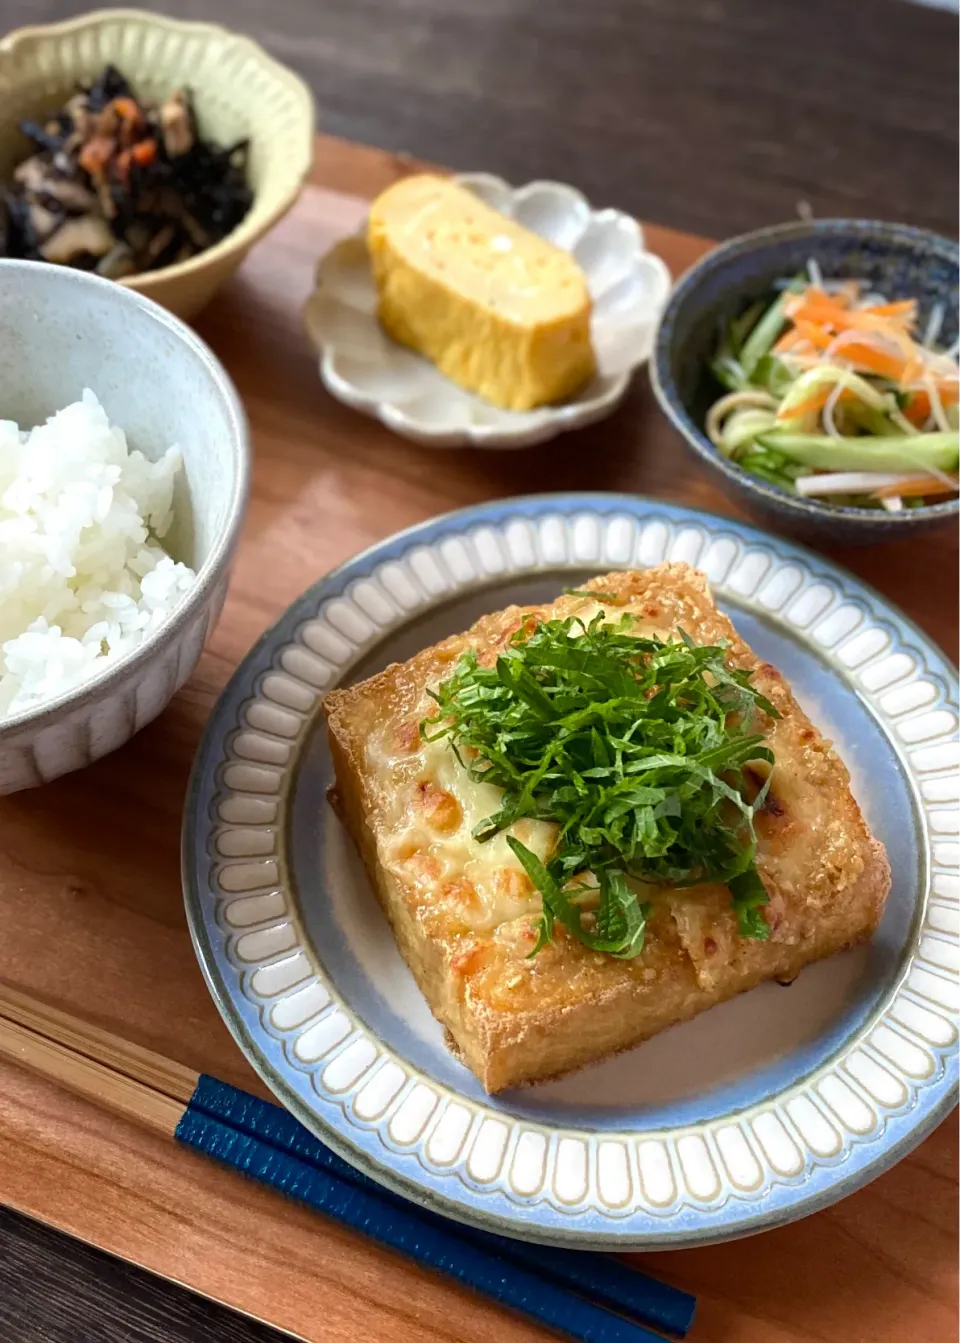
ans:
(62, 330)
(363, 367)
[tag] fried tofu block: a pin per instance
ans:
(465, 914)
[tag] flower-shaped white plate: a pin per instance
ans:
(757, 1112)
(363, 367)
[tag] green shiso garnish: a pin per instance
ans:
(638, 749)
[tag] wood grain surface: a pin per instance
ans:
(93, 923)
(74, 1284)
(710, 115)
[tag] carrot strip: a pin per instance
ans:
(841, 298)
(860, 319)
(918, 409)
(868, 359)
(914, 487)
(815, 402)
(144, 152)
(804, 331)
(912, 368)
(818, 318)
(892, 326)
(788, 341)
(126, 109)
(816, 335)
(813, 310)
(948, 389)
(906, 307)
(95, 155)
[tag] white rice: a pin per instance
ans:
(83, 578)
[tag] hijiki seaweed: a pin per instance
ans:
(121, 186)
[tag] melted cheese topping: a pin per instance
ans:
(433, 807)
(612, 615)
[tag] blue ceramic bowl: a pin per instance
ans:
(898, 261)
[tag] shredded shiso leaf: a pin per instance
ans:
(638, 749)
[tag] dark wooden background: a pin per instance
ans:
(713, 116)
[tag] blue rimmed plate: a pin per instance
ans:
(758, 1112)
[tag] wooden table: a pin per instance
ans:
(93, 922)
(714, 116)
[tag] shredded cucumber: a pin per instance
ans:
(741, 326)
(728, 373)
(761, 338)
(830, 375)
(922, 452)
(742, 428)
(816, 403)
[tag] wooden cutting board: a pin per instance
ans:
(91, 916)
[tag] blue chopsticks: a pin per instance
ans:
(586, 1296)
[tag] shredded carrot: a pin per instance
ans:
(948, 389)
(144, 152)
(841, 299)
(861, 357)
(913, 487)
(788, 341)
(912, 368)
(918, 409)
(816, 402)
(126, 109)
(868, 359)
(809, 308)
(804, 331)
(818, 318)
(906, 307)
(95, 155)
(842, 319)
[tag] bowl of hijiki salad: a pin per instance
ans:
(814, 367)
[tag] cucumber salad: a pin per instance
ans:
(830, 392)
